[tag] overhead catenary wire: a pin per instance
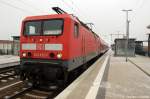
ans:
(138, 6)
(75, 8)
(16, 7)
(68, 5)
(81, 11)
(29, 5)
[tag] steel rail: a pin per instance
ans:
(7, 76)
(7, 70)
(20, 93)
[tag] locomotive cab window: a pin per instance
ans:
(76, 30)
(33, 28)
(44, 27)
(53, 27)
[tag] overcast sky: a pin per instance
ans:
(105, 14)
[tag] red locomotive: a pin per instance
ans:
(51, 46)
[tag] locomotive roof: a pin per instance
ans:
(42, 17)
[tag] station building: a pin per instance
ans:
(120, 47)
(6, 47)
(10, 47)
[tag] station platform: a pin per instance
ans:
(8, 60)
(112, 78)
(142, 62)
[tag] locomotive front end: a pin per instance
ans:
(43, 52)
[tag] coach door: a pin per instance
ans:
(83, 49)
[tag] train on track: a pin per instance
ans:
(52, 46)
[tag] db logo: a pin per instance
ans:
(40, 47)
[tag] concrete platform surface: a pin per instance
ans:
(8, 60)
(110, 78)
(124, 81)
(86, 86)
(142, 61)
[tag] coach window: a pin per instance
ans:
(76, 30)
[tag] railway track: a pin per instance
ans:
(19, 90)
(17, 94)
(7, 79)
(29, 93)
(7, 74)
(7, 69)
(11, 87)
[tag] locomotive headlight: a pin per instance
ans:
(59, 55)
(24, 54)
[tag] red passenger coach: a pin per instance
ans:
(54, 45)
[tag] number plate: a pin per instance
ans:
(40, 47)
